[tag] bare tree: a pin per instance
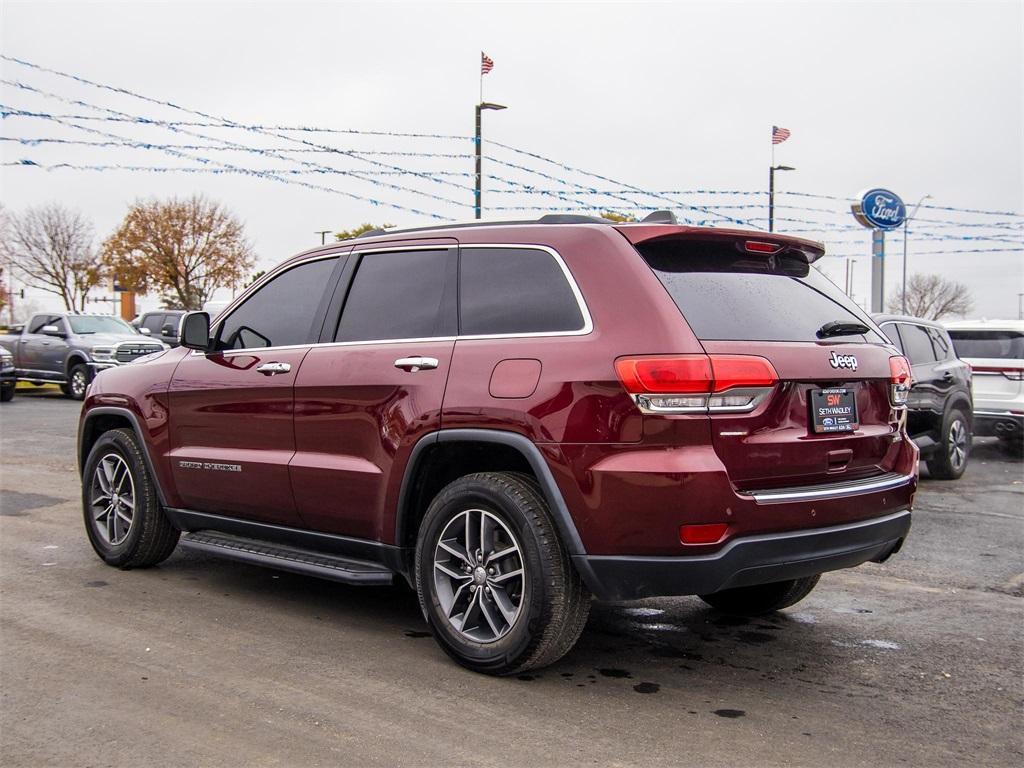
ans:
(51, 248)
(933, 297)
(183, 249)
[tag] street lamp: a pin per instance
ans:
(323, 234)
(771, 192)
(479, 145)
(903, 298)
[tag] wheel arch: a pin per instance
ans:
(102, 419)
(416, 489)
(962, 401)
(75, 358)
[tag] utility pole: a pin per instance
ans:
(323, 234)
(1020, 306)
(478, 184)
(905, 222)
(771, 192)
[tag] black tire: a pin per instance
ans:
(762, 598)
(949, 460)
(6, 393)
(78, 382)
(150, 537)
(553, 601)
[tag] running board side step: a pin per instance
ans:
(284, 558)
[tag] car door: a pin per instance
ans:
(365, 396)
(231, 433)
(40, 352)
(926, 397)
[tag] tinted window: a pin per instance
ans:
(917, 345)
(726, 294)
(154, 323)
(889, 329)
(514, 290)
(280, 313)
(941, 344)
(400, 295)
(1008, 345)
(86, 324)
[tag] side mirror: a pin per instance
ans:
(51, 330)
(144, 331)
(195, 331)
(168, 330)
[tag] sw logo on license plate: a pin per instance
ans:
(833, 410)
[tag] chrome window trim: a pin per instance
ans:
(588, 323)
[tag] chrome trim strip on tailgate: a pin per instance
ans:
(841, 490)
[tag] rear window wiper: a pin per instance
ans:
(842, 328)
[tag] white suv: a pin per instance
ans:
(995, 351)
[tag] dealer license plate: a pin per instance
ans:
(833, 410)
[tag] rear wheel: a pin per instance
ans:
(496, 587)
(950, 458)
(7, 393)
(762, 598)
(122, 513)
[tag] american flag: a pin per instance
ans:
(486, 63)
(779, 135)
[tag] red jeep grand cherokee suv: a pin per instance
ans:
(514, 417)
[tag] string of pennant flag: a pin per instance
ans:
(396, 167)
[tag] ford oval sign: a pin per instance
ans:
(880, 209)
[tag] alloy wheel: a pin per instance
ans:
(958, 438)
(78, 383)
(112, 499)
(479, 575)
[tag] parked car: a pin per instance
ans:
(995, 351)
(939, 411)
(514, 417)
(8, 380)
(67, 348)
(163, 324)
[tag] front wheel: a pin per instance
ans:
(496, 587)
(762, 598)
(950, 459)
(78, 382)
(7, 393)
(123, 518)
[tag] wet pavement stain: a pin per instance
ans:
(526, 678)
(730, 621)
(96, 584)
(620, 673)
(416, 633)
(646, 687)
(18, 504)
(567, 674)
(730, 713)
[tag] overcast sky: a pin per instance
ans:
(918, 97)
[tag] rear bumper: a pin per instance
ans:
(745, 561)
(992, 423)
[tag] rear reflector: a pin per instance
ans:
(710, 533)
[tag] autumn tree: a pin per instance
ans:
(620, 218)
(348, 234)
(184, 250)
(51, 248)
(933, 297)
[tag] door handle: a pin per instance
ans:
(269, 369)
(23, 341)
(413, 364)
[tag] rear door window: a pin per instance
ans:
(401, 295)
(725, 294)
(513, 291)
(154, 323)
(890, 330)
(941, 344)
(917, 344)
(1007, 345)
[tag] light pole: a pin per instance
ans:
(479, 146)
(323, 234)
(903, 297)
(771, 192)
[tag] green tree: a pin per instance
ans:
(348, 234)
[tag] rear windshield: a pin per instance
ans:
(725, 294)
(1008, 345)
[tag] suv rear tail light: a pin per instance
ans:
(697, 383)
(899, 388)
(1013, 374)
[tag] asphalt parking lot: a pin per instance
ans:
(204, 662)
